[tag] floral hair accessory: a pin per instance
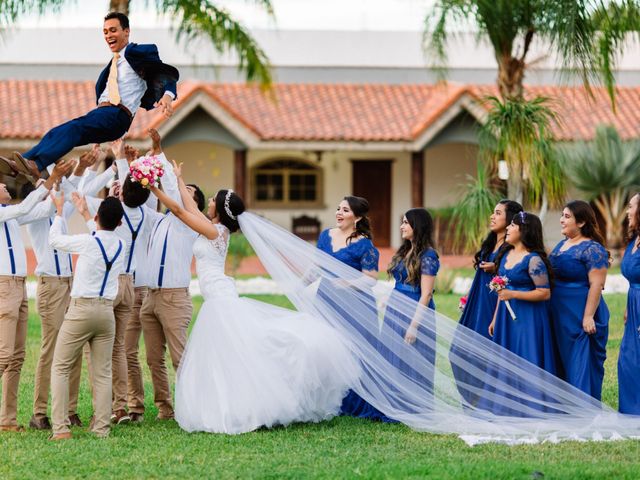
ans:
(498, 283)
(147, 171)
(227, 209)
(523, 216)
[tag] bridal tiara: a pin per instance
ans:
(227, 197)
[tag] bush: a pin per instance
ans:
(239, 249)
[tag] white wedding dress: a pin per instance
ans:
(249, 364)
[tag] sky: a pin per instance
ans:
(403, 15)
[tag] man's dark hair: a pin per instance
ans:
(110, 213)
(124, 20)
(133, 193)
(198, 196)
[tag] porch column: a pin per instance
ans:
(240, 172)
(417, 179)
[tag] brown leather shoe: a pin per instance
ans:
(40, 423)
(165, 416)
(7, 167)
(120, 416)
(27, 167)
(60, 436)
(75, 420)
(136, 417)
(12, 428)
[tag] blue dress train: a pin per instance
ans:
(361, 255)
(581, 355)
(629, 358)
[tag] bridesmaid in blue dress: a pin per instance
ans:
(629, 358)
(351, 243)
(481, 302)
(414, 268)
(579, 313)
(530, 335)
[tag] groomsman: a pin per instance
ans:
(166, 311)
(13, 292)
(134, 232)
(90, 316)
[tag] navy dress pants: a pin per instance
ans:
(104, 124)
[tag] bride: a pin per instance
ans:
(249, 364)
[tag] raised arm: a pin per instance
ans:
(198, 223)
(59, 240)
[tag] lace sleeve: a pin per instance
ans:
(538, 272)
(370, 257)
(220, 243)
(595, 256)
(430, 263)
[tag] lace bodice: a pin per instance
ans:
(210, 259)
(528, 274)
(360, 254)
(574, 264)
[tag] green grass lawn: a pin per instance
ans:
(341, 448)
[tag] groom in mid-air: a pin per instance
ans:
(135, 77)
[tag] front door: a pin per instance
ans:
(372, 180)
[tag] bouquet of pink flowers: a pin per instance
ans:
(462, 303)
(498, 283)
(146, 170)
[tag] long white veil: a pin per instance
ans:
(451, 380)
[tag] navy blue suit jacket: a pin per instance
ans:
(145, 61)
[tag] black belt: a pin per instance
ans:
(120, 106)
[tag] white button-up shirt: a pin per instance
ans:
(13, 259)
(131, 86)
(171, 243)
(50, 261)
(91, 268)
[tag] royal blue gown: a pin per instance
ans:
(477, 315)
(629, 358)
(361, 255)
(397, 322)
(581, 355)
(530, 335)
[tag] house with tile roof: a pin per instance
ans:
(297, 150)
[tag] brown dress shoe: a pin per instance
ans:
(75, 420)
(136, 417)
(40, 423)
(11, 428)
(60, 436)
(26, 166)
(120, 416)
(7, 167)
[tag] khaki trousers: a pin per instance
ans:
(52, 300)
(165, 317)
(131, 345)
(122, 305)
(13, 335)
(87, 320)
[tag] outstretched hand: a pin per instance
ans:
(80, 202)
(164, 104)
(117, 146)
(156, 141)
(58, 200)
(177, 168)
(130, 153)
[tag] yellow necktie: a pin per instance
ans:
(112, 82)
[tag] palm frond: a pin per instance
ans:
(201, 17)
(470, 215)
(11, 10)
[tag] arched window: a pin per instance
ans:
(286, 183)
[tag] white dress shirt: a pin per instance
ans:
(13, 259)
(91, 268)
(50, 261)
(131, 86)
(171, 243)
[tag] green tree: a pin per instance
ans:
(585, 35)
(191, 18)
(607, 171)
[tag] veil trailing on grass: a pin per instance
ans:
(451, 380)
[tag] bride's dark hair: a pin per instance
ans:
(236, 206)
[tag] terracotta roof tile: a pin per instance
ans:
(316, 112)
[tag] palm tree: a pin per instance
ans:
(607, 170)
(517, 131)
(586, 35)
(191, 18)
